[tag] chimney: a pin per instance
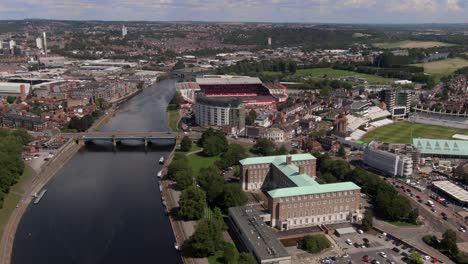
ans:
(288, 159)
(301, 170)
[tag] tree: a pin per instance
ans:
(314, 243)
(184, 179)
(179, 65)
(213, 142)
(231, 196)
(192, 203)
(341, 151)
(231, 157)
(211, 182)
(292, 66)
(264, 147)
(207, 238)
(246, 258)
(178, 165)
(282, 66)
(281, 151)
(185, 144)
(140, 85)
(367, 220)
(250, 118)
(22, 135)
(10, 99)
(230, 253)
(415, 258)
(449, 242)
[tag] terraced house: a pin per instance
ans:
(295, 198)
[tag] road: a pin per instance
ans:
(433, 219)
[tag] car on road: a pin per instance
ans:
(382, 254)
(433, 209)
(463, 230)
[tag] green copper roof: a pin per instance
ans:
(305, 184)
(269, 159)
(441, 147)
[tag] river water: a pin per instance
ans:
(105, 206)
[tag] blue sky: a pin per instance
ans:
(325, 11)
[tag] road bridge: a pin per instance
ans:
(117, 137)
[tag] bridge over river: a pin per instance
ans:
(118, 137)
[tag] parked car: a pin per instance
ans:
(365, 240)
(397, 250)
(382, 254)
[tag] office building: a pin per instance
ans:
(124, 31)
(39, 43)
(392, 164)
(295, 198)
(255, 237)
(398, 102)
(219, 111)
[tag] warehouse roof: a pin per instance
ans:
(262, 241)
(269, 159)
(441, 147)
(453, 190)
(212, 80)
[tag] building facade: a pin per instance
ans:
(295, 199)
(392, 164)
(210, 111)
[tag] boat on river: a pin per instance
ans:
(161, 160)
(159, 174)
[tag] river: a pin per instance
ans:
(105, 206)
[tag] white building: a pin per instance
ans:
(389, 163)
(212, 111)
(275, 134)
(39, 43)
(124, 31)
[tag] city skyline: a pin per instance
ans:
(313, 11)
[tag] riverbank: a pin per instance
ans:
(173, 119)
(65, 153)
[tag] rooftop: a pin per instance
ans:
(453, 190)
(441, 147)
(214, 79)
(305, 184)
(262, 240)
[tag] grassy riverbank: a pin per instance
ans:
(13, 198)
(174, 116)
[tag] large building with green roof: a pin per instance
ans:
(441, 147)
(296, 199)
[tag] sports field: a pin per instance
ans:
(407, 44)
(443, 67)
(332, 73)
(403, 132)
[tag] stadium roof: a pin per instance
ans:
(230, 80)
(453, 190)
(441, 147)
(304, 184)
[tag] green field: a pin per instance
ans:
(13, 198)
(407, 44)
(443, 67)
(403, 132)
(197, 161)
(333, 73)
(173, 119)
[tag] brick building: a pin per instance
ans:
(295, 199)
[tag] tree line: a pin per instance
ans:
(11, 162)
(386, 201)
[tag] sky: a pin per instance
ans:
(313, 11)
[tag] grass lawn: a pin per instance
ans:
(173, 119)
(333, 73)
(443, 67)
(197, 161)
(407, 44)
(401, 132)
(12, 199)
(214, 259)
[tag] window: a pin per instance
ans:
(307, 204)
(307, 220)
(300, 221)
(313, 211)
(293, 198)
(294, 221)
(312, 219)
(289, 205)
(339, 193)
(294, 214)
(295, 205)
(352, 199)
(313, 203)
(289, 214)
(300, 213)
(318, 203)
(306, 212)
(298, 198)
(334, 194)
(287, 199)
(300, 205)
